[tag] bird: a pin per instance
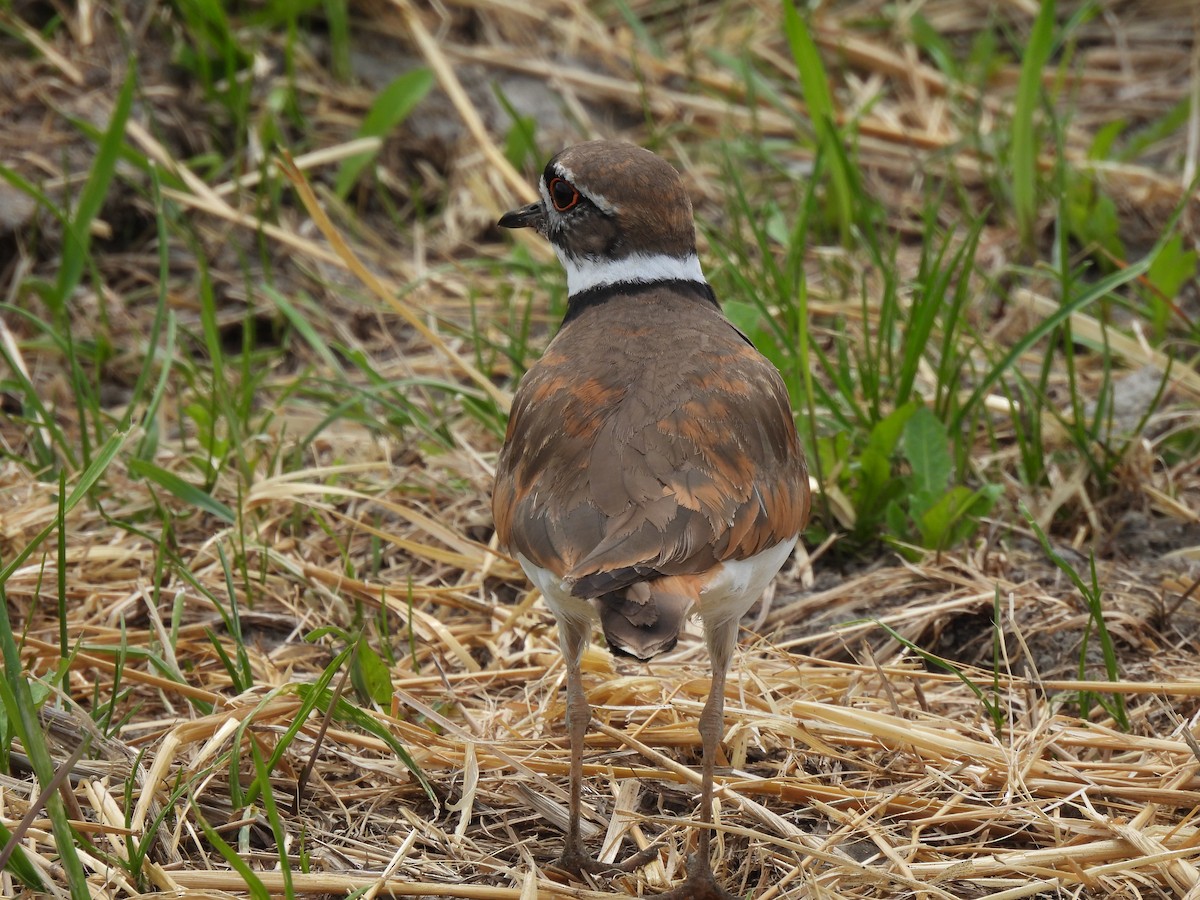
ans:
(651, 468)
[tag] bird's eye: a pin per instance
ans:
(562, 194)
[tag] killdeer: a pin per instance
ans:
(651, 468)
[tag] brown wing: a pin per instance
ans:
(650, 440)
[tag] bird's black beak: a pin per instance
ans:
(531, 216)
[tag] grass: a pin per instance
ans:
(258, 343)
(1093, 597)
(1025, 143)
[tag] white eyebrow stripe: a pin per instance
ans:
(601, 202)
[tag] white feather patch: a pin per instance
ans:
(733, 590)
(636, 268)
(740, 583)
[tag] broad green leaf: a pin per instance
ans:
(874, 464)
(937, 47)
(927, 449)
(748, 319)
(391, 107)
(896, 518)
(955, 515)
(1106, 136)
(1173, 267)
(370, 675)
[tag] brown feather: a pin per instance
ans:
(645, 619)
(651, 440)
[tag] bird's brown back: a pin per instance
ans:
(651, 440)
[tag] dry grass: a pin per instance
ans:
(853, 768)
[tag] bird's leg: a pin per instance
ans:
(700, 884)
(575, 859)
(573, 636)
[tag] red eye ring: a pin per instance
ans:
(562, 193)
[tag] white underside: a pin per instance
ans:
(727, 597)
(637, 268)
(741, 582)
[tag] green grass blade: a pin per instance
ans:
(1024, 138)
(164, 320)
(218, 407)
(148, 443)
(253, 883)
(337, 17)
(278, 830)
(37, 415)
(347, 711)
(23, 716)
(77, 237)
(303, 327)
(815, 84)
(14, 861)
(85, 483)
(990, 704)
(308, 702)
(1102, 288)
(16, 698)
(930, 304)
(1093, 598)
(389, 109)
(184, 490)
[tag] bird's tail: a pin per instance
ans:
(645, 618)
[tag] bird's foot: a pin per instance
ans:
(700, 884)
(576, 861)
